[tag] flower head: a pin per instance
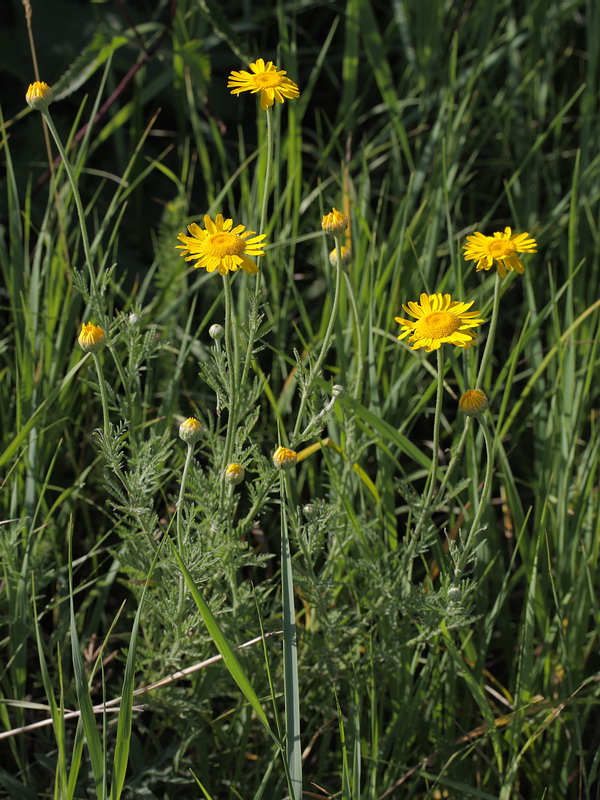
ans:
(219, 247)
(346, 256)
(266, 79)
(91, 337)
(39, 95)
(334, 222)
(439, 320)
(190, 430)
(283, 458)
(216, 331)
(501, 249)
(473, 402)
(234, 473)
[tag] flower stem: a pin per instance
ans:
(485, 493)
(316, 368)
(78, 205)
(436, 444)
(103, 393)
(480, 375)
(186, 467)
(233, 371)
(261, 229)
(489, 345)
(290, 656)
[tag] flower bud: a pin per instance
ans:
(337, 390)
(283, 458)
(345, 254)
(39, 95)
(454, 594)
(216, 331)
(234, 473)
(190, 430)
(334, 222)
(134, 319)
(473, 402)
(309, 511)
(91, 337)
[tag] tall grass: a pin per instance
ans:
(429, 664)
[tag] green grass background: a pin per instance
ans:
(428, 120)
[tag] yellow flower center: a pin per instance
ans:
(224, 244)
(267, 80)
(437, 324)
(500, 248)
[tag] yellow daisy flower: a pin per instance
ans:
(440, 320)
(220, 247)
(501, 248)
(266, 79)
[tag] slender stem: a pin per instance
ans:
(489, 345)
(480, 375)
(436, 444)
(103, 393)
(186, 467)
(315, 370)
(290, 656)
(485, 493)
(359, 361)
(233, 372)
(261, 229)
(78, 205)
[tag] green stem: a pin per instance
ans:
(261, 229)
(485, 493)
(489, 345)
(359, 361)
(436, 444)
(78, 205)
(233, 371)
(315, 370)
(290, 656)
(186, 467)
(480, 375)
(103, 393)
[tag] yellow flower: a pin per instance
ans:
(501, 248)
(190, 430)
(234, 473)
(219, 247)
(345, 254)
(283, 458)
(91, 337)
(39, 95)
(440, 320)
(335, 222)
(266, 79)
(473, 402)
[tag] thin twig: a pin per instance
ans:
(110, 705)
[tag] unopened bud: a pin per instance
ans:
(216, 331)
(190, 430)
(234, 473)
(284, 458)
